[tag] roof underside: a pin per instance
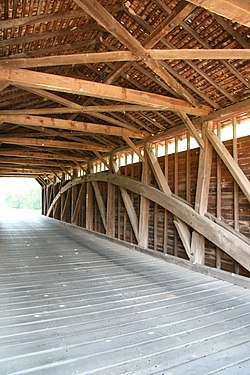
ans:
(33, 146)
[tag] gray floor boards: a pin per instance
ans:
(72, 303)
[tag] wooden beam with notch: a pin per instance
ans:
(77, 86)
(122, 56)
(84, 127)
(202, 195)
(42, 155)
(84, 146)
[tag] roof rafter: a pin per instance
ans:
(104, 18)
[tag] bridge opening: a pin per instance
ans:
(20, 194)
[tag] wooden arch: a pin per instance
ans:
(231, 244)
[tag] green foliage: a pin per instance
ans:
(30, 199)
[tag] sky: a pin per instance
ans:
(16, 185)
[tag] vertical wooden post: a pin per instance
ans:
(89, 206)
(176, 189)
(188, 171)
(218, 194)
(77, 205)
(144, 206)
(202, 194)
(44, 205)
(119, 216)
(65, 208)
(110, 220)
(236, 189)
(165, 235)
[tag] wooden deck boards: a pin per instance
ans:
(72, 303)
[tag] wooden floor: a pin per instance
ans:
(71, 303)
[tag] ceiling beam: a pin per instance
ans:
(52, 82)
(14, 170)
(235, 10)
(25, 162)
(85, 127)
(84, 146)
(42, 155)
(84, 109)
(122, 56)
(94, 9)
(77, 107)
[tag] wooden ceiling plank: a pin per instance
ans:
(57, 16)
(195, 35)
(48, 35)
(235, 10)
(205, 44)
(51, 82)
(85, 127)
(178, 14)
(23, 21)
(236, 35)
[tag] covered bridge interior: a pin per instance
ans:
(133, 116)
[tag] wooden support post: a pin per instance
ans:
(66, 206)
(78, 204)
(191, 128)
(236, 189)
(202, 194)
(157, 171)
(127, 203)
(73, 201)
(218, 196)
(100, 203)
(176, 190)
(89, 206)
(165, 235)
(44, 206)
(164, 187)
(188, 171)
(184, 234)
(133, 147)
(131, 212)
(231, 164)
(110, 220)
(144, 208)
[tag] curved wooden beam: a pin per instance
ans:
(225, 240)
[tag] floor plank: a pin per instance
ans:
(72, 303)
